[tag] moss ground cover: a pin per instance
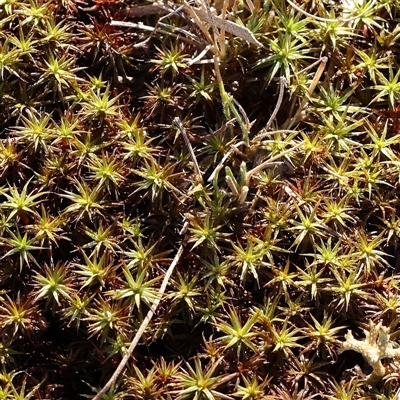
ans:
(252, 145)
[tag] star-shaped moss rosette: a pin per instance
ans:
(374, 347)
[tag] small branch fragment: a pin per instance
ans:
(374, 348)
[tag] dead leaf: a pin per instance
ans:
(229, 26)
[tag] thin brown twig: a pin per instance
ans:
(282, 85)
(179, 125)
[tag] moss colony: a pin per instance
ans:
(268, 147)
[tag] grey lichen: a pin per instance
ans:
(375, 347)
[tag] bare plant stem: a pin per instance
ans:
(271, 160)
(142, 327)
(310, 91)
(371, 5)
(178, 123)
(282, 85)
(224, 158)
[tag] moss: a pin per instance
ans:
(251, 150)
